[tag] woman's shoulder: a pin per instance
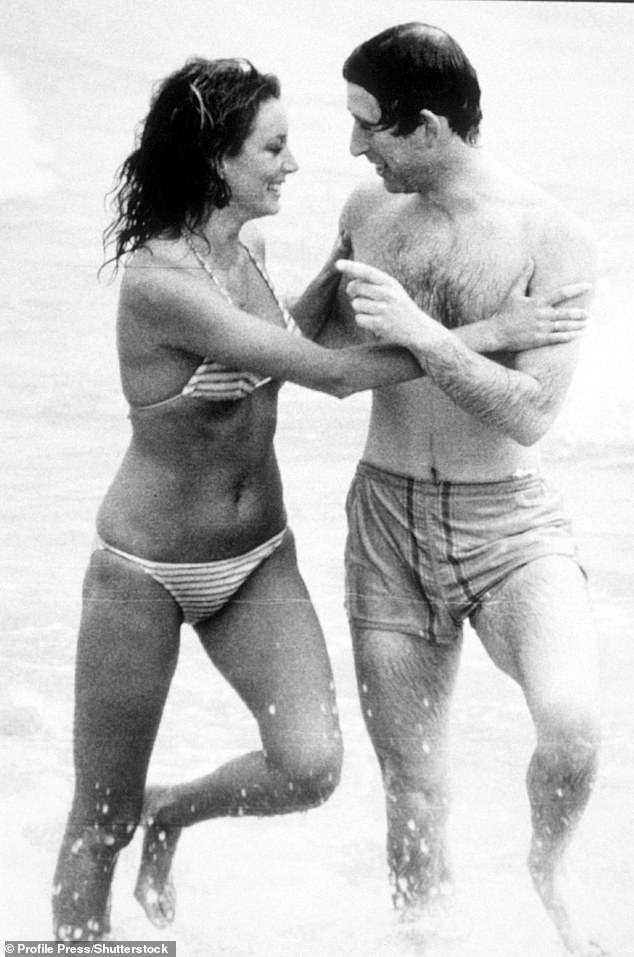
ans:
(154, 269)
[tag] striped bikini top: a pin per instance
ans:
(212, 380)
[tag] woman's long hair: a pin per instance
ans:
(171, 181)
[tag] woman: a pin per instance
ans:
(193, 528)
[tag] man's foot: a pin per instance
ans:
(154, 889)
(548, 881)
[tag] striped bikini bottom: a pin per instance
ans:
(200, 589)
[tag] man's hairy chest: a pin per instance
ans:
(458, 269)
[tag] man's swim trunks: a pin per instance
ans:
(422, 555)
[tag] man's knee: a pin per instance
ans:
(569, 734)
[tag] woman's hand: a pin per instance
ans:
(527, 322)
(382, 306)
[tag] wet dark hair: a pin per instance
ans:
(413, 67)
(171, 181)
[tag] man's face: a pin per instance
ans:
(397, 159)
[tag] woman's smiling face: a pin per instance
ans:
(256, 174)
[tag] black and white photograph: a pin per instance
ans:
(317, 421)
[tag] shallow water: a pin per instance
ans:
(557, 81)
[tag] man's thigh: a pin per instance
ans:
(405, 686)
(537, 627)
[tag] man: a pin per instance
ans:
(449, 518)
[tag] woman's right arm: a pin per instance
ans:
(189, 314)
(186, 312)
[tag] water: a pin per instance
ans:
(73, 83)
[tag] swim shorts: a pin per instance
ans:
(422, 555)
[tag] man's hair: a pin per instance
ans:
(413, 67)
(198, 115)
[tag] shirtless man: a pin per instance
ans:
(449, 517)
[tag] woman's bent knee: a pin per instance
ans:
(313, 773)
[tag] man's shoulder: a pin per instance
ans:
(366, 200)
(560, 235)
(561, 243)
(545, 213)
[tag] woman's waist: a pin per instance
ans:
(179, 515)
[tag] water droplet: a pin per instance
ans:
(364, 688)
(77, 846)
(411, 824)
(426, 747)
(243, 792)
(425, 702)
(369, 712)
(272, 709)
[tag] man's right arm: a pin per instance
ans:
(520, 402)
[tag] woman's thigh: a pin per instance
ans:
(126, 655)
(268, 644)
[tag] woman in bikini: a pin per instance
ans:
(193, 527)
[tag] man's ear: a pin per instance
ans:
(431, 124)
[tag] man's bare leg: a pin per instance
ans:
(405, 686)
(538, 628)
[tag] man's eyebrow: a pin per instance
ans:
(361, 119)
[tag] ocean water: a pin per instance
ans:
(74, 81)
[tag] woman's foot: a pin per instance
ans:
(154, 889)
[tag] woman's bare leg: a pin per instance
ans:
(126, 655)
(269, 646)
